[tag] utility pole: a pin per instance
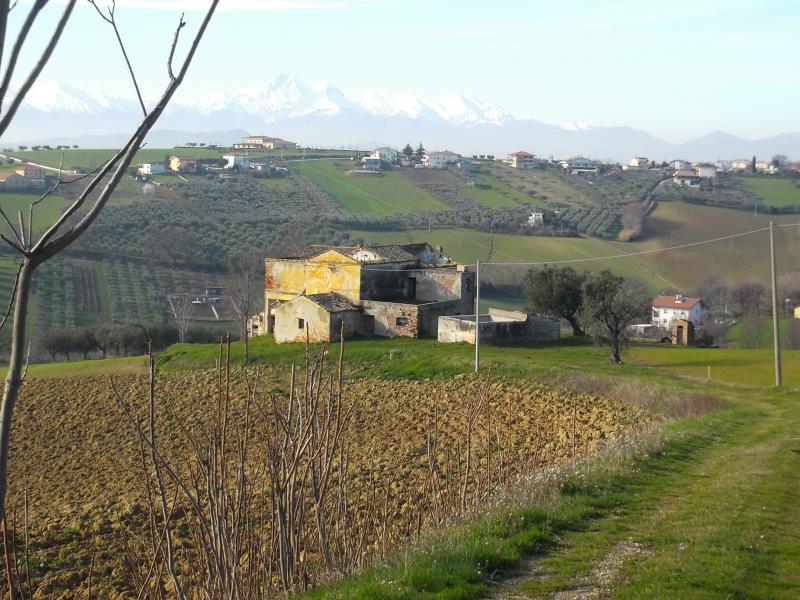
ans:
(477, 315)
(775, 316)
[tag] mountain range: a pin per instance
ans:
(321, 115)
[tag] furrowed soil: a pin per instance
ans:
(81, 462)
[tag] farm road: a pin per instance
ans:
(723, 523)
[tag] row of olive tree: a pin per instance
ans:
(602, 304)
(122, 339)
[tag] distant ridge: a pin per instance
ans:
(322, 115)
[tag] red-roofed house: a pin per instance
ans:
(668, 308)
(521, 160)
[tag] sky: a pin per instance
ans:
(676, 70)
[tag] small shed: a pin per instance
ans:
(797, 313)
(320, 316)
(499, 327)
(682, 332)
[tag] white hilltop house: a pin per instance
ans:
(668, 308)
(637, 163)
(521, 160)
(387, 156)
(705, 170)
(439, 159)
(156, 168)
(578, 164)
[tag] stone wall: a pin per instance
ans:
(393, 319)
(499, 327)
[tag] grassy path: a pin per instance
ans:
(718, 517)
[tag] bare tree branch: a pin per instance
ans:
(181, 25)
(46, 247)
(4, 10)
(11, 299)
(13, 230)
(42, 197)
(18, 44)
(124, 157)
(111, 20)
(37, 69)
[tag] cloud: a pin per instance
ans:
(232, 5)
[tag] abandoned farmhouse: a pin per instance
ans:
(388, 291)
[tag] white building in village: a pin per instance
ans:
(387, 156)
(151, 169)
(521, 160)
(439, 159)
(536, 218)
(637, 163)
(668, 308)
(240, 162)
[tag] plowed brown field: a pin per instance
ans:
(80, 460)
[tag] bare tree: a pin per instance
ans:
(182, 308)
(245, 286)
(99, 185)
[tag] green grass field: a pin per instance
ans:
(87, 368)
(675, 222)
(366, 194)
(752, 367)
(773, 191)
(468, 245)
(741, 258)
(44, 215)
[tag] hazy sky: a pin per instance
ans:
(675, 69)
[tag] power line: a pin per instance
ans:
(642, 252)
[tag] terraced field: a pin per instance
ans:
(366, 194)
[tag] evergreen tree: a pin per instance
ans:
(408, 151)
(419, 153)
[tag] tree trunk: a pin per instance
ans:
(16, 364)
(576, 326)
(246, 342)
(615, 350)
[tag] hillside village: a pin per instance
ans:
(265, 338)
(505, 195)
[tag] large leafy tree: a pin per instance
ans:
(611, 303)
(557, 292)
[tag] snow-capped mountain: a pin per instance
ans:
(320, 114)
(286, 97)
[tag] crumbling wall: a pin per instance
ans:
(437, 285)
(352, 321)
(453, 330)
(429, 315)
(329, 272)
(382, 283)
(393, 319)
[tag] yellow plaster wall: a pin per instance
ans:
(328, 272)
(316, 321)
